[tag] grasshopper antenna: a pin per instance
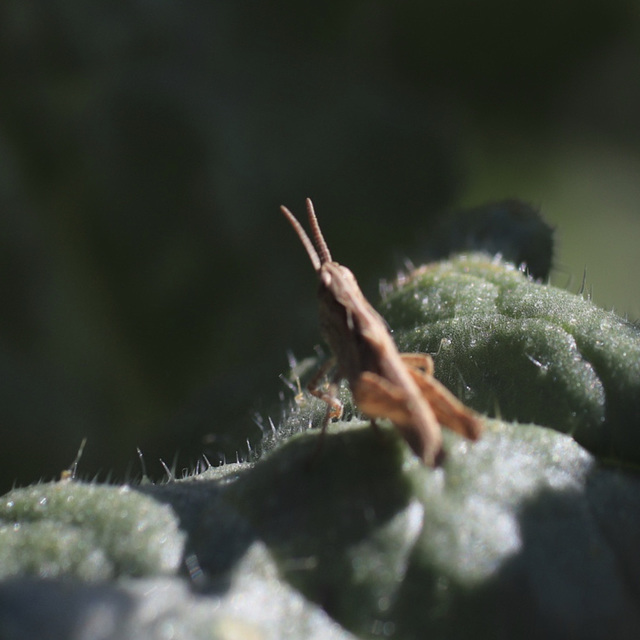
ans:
(325, 255)
(304, 238)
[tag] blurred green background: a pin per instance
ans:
(150, 288)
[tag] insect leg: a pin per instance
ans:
(448, 409)
(329, 395)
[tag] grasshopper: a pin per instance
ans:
(384, 382)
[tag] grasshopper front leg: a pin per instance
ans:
(328, 396)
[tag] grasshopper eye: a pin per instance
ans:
(325, 278)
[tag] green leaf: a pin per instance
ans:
(513, 531)
(515, 348)
(88, 531)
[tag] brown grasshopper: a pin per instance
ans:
(384, 382)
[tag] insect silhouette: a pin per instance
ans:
(384, 382)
